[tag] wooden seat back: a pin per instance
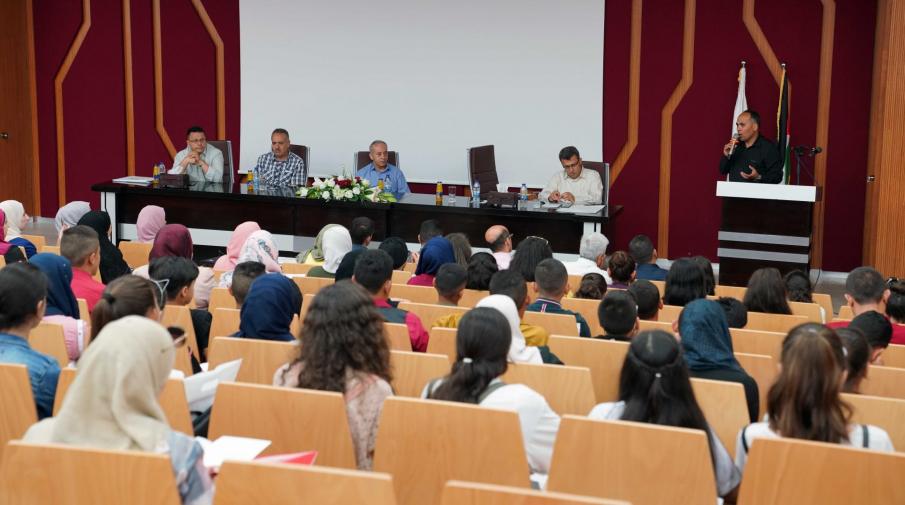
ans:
(84, 314)
(48, 338)
(846, 313)
(221, 299)
(763, 369)
(829, 474)
(39, 241)
(51, 249)
(555, 324)
(401, 276)
(443, 341)
(826, 303)
(808, 310)
(311, 285)
(224, 322)
(453, 441)
(413, 370)
(724, 407)
(894, 356)
(661, 287)
(292, 419)
(781, 323)
(887, 413)
(737, 292)
(260, 358)
(683, 465)
(655, 325)
(568, 389)
(884, 381)
(410, 267)
(180, 316)
(135, 253)
(291, 268)
(414, 294)
(19, 410)
(669, 313)
(398, 336)
(428, 313)
(757, 342)
(471, 297)
(53, 473)
(457, 492)
(588, 309)
(240, 483)
(604, 358)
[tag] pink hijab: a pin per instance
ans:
(227, 263)
(150, 220)
(4, 245)
(260, 247)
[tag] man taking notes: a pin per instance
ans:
(203, 162)
(574, 184)
(280, 167)
(751, 157)
(379, 170)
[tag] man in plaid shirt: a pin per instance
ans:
(280, 167)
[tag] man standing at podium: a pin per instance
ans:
(749, 157)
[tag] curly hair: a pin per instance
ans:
(342, 332)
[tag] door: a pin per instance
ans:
(18, 124)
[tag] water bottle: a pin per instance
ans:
(155, 174)
(251, 181)
(523, 193)
(476, 194)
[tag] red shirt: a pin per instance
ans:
(417, 334)
(898, 330)
(84, 286)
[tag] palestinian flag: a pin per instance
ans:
(782, 127)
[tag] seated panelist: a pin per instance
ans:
(202, 162)
(379, 170)
(574, 183)
(280, 167)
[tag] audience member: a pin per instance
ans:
(878, 331)
(129, 295)
(177, 276)
(798, 289)
(112, 404)
(11, 254)
(591, 256)
(361, 231)
(528, 254)
(865, 290)
(260, 247)
(280, 167)
(519, 351)
(69, 214)
(243, 275)
(895, 310)
(709, 279)
(735, 310)
(573, 183)
(175, 240)
(552, 284)
(499, 240)
(315, 255)
(397, 249)
(81, 247)
(804, 401)
(228, 261)
(654, 387)
(62, 307)
(481, 268)
(150, 220)
(510, 283)
(16, 219)
(380, 170)
(708, 349)
(436, 252)
(482, 345)
(857, 357)
(461, 248)
(272, 302)
(428, 230)
(618, 315)
(621, 270)
(450, 283)
(112, 263)
(684, 283)
(337, 242)
(593, 286)
(200, 160)
(648, 298)
(23, 289)
(767, 292)
(374, 272)
(345, 351)
(645, 255)
(346, 267)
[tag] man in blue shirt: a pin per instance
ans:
(379, 170)
(642, 250)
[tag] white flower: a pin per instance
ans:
(348, 194)
(365, 183)
(325, 195)
(337, 192)
(331, 183)
(356, 191)
(303, 192)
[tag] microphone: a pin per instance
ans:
(816, 150)
(737, 137)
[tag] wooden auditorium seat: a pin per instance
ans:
(84, 314)
(48, 338)
(401, 276)
(887, 413)
(894, 356)
(603, 357)
(135, 253)
(181, 317)
(568, 389)
(555, 324)
(884, 381)
(588, 309)
(38, 240)
(655, 325)
(311, 285)
(471, 297)
(413, 294)
(808, 310)
(292, 268)
(781, 323)
(764, 370)
(51, 249)
(443, 341)
(457, 492)
(19, 411)
(398, 335)
(224, 322)
(221, 299)
(669, 313)
(846, 313)
(725, 407)
(413, 370)
(429, 313)
(260, 358)
(757, 342)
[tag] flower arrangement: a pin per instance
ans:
(345, 189)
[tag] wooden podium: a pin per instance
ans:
(763, 225)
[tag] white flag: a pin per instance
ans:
(741, 103)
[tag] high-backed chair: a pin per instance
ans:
(398, 335)
(555, 324)
(413, 370)
(224, 322)
(457, 492)
(172, 400)
(180, 316)
(669, 313)
(887, 413)
(442, 341)
(826, 302)
(808, 310)
(48, 338)
(414, 294)
(67, 474)
(311, 285)
(19, 411)
(260, 358)
(240, 483)
(221, 299)
(588, 309)
(763, 369)
(362, 158)
(429, 313)
(482, 168)
(829, 474)
(226, 147)
(884, 381)
(453, 441)
(38, 240)
(302, 152)
(292, 419)
(603, 170)
(781, 323)
(757, 342)
(603, 357)
(683, 465)
(568, 389)
(401, 276)
(135, 253)
(725, 408)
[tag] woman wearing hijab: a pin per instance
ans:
(228, 262)
(260, 247)
(112, 404)
(705, 338)
(437, 252)
(315, 255)
(268, 310)
(519, 352)
(62, 307)
(11, 254)
(69, 214)
(16, 219)
(336, 243)
(150, 220)
(112, 263)
(176, 240)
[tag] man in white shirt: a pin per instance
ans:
(500, 241)
(203, 162)
(592, 256)
(574, 184)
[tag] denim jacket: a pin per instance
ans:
(43, 371)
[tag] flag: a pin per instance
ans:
(782, 127)
(741, 102)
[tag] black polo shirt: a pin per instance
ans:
(762, 155)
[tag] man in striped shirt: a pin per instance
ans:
(280, 167)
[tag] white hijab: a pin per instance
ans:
(69, 214)
(519, 352)
(14, 211)
(337, 243)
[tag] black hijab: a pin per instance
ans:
(112, 263)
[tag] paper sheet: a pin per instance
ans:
(228, 448)
(201, 387)
(581, 209)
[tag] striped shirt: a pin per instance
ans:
(272, 172)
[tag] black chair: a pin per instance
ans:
(482, 168)
(604, 170)
(362, 158)
(225, 147)
(302, 152)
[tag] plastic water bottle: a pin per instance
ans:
(476, 194)
(523, 193)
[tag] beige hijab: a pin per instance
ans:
(112, 404)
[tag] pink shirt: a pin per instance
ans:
(421, 280)
(84, 286)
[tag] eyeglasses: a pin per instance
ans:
(161, 292)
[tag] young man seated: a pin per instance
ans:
(374, 272)
(450, 283)
(177, 275)
(865, 290)
(736, 312)
(361, 231)
(878, 330)
(243, 275)
(618, 315)
(648, 297)
(81, 247)
(551, 281)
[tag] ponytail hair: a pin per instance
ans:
(482, 346)
(129, 295)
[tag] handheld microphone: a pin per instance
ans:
(737, 137)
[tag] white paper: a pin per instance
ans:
(201, 387)
(228, 448)
(135, 180)
(581, 209)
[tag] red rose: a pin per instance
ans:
(345, 183)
